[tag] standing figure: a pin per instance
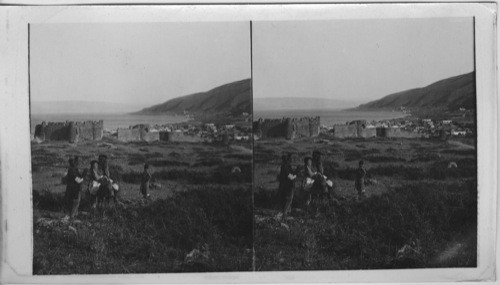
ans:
(106, 182)
(94, 183)
(360, 180)
(308, 178)
(73, 187)
(287, 181)
(145, 179)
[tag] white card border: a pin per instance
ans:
(15, 158)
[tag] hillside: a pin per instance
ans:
(233, 98)
(299, 103)
(450, 94)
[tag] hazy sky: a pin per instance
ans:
(358, 60)
(142, 64)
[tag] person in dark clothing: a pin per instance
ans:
(103, 165)
(73, 187)
(286, 184)
(360, 179)
(145, 179)
(107, 182)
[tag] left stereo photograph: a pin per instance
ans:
(141, 147)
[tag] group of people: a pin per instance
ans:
(100, 186)
(315, 183)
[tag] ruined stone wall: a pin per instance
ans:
(56, 131)
(179, 137)
(90, 130)
(367, 132)
(400, 133)
(151, 136)
(137, 133)
(345, 131)
(129, 135)
(355, 129)
(301, 127)
(69, 131)
(289, 128)
(271, 128)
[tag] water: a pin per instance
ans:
(110, 121)
(330, 117)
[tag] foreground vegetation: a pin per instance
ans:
(418, 211)
(198, 219)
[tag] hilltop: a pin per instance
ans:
(448, 94)
(232, 98)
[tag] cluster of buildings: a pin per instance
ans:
(288, 128)
(74, 132)
(401, 128)
(184, 133)
(292, 128)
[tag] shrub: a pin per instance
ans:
(383, 158)
(48, 201)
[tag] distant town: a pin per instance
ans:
(411, 126)
(191, 131)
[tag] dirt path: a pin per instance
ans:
(242, 149)
(461, 145)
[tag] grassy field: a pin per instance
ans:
(417, 213)
(199, 217)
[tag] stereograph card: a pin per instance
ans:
(254, 143)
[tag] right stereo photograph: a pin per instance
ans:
(365, 145)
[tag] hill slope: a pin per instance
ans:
(233, 97)
(451, 94)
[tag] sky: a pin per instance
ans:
(358, 60)
(135, 63)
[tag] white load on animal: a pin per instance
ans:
(94, 187)
(308, 183)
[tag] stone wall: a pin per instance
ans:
(140, 132)
(345, 131)
(179, 137)
(401, 133)
(69, 131)
(359, 129)
(289, 128)
(128, 135)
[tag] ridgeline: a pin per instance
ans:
(234, 98)
(448, 94)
